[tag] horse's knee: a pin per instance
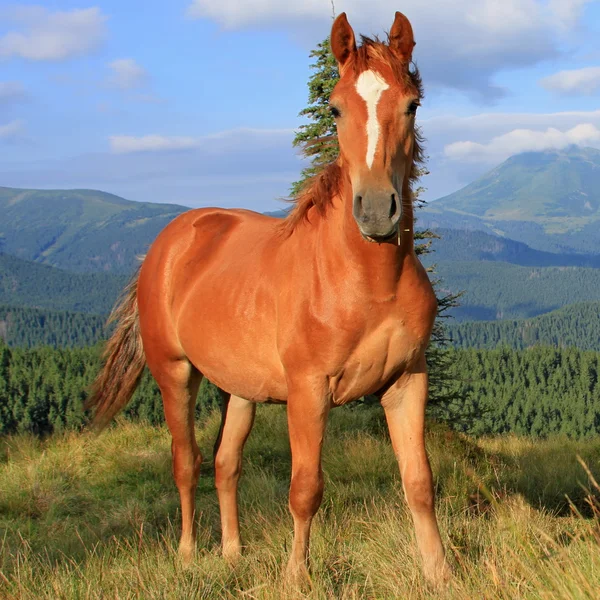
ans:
(418, 489)
(306, 493)
(186, 465)
(228, 468)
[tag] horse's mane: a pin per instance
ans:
(319, 190)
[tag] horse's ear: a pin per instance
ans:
(401, 37)
(343, 43)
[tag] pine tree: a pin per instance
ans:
(318, 139)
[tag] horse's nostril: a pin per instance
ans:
(393, 207)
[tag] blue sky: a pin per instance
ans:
(195, 101)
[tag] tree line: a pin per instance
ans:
(43, 390)
(576, 325)
(539, 391)
(23, 326)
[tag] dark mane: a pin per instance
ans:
(319, 190)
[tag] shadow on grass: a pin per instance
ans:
(546, 473)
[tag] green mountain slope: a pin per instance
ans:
(549, 200)
(469, 245)
(497, 290)
(79, 230)
(577, 325)
(25, 283)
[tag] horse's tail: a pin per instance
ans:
(124, 361)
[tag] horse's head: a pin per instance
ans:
(375, 103)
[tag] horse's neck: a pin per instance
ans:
(381, 264)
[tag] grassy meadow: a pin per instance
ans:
(87, 517)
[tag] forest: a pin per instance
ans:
(26, 283)
(538, 391)
(576, 325)
(43, 389)
(21, 326)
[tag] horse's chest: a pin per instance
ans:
(381, 354)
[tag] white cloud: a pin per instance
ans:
(460, 44)
(127, 74)
(443, 130)
(214, 144)
(249, 168)
(567, 12)
(524, 140)
(453, 168)
(575, 81)
(52, 36)
(124, 144)
(11, 91)
(12, 131)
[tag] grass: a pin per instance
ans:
(85, 517)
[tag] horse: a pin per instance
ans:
(315, 310)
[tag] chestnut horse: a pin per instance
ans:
(316, 310)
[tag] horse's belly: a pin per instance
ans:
(255, 381)
(236, 354)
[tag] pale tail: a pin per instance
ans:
(124, 361)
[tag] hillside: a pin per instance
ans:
(549, 200)
(577, 325)
(498, 290)
(470, 245)
(24, 283)
(79, 230)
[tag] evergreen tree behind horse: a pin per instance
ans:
(315, 310)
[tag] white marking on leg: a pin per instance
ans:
(370, 86)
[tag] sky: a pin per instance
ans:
(195, 102)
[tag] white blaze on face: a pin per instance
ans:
(370, 86)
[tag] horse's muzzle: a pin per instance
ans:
(377, 215)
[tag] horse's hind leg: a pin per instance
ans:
(179, 382)
(238, 417)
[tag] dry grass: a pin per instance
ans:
(85, 517)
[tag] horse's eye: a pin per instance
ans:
(412, 108)
(335, 112)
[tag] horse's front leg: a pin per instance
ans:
(404, 404)
(307, 417)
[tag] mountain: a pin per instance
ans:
(25, 283)
(549, 200)
(79, 230)
(498, 290)
(576, 325)
(469, 245)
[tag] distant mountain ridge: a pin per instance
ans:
(469, 245)
(499, 290)
(549, 200)
(26, 283)
(575, 325)
(79, 230)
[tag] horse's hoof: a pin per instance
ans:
(186, 555)
(232, 554)
(439, 577)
